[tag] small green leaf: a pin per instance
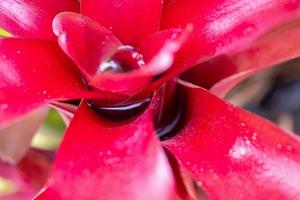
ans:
(54, 121)
(49, 136)
(46, 139)
(4, 33)
(6, 187)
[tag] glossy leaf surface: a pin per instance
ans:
(92, 45)
(224, 26)
(129, 20)
(32, 72)
(234, 154)
(99, 158)
(88, 46)
(32, 18)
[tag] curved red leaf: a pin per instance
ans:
(234, 154)
(92, 44)
(280, 45)
(86, 42)
(32, 18)
(217, 29)
(108, 160)
(224, 26)
(125, 18)
(159, 50)
(32, 72)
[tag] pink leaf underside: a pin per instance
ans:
(15, 139)
(27, 177)
(234, 154)
(33, 72)
(100, 159)
(93, 44)
(130, 20)
(32, 18)
(221, 27)
(24, 191)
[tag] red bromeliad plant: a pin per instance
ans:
(145, 127)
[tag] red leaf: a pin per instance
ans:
(218, 68)
(93, 44)
(280, 45)
(160, 54)
(32, 18)
(234, 154)
(33, 72)
(166, 3)
(225, 72)
(129, 20)
(224, 26)
(220, 27)
(86, 42)
(100, 158)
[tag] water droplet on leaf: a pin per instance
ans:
(125, 59)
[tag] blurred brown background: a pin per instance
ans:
(274, 94)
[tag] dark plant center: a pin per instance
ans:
(124, 60)
(171, 111)
(171, 119)
(121, 112)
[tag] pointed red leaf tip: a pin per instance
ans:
(100, 159)
(234, 154)
(32, 18)
(32, 72)
(91, 45)
(224, 26)
(129, 20)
